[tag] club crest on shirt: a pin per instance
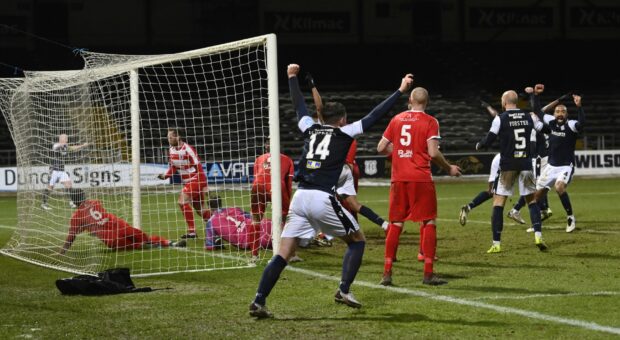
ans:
(405, 154)
(310, 164)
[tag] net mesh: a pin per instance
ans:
(218, 99)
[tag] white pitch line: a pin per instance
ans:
(506, 310)
(545, 226)
(531, 296)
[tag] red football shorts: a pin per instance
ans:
(195, 190)
(412, 201)
(261, 195)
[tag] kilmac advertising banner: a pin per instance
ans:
(595, 162)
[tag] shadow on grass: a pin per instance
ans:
(394, 318)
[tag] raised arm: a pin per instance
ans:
(581, 116)
(296, 96)
(380, 110)
(316, 97)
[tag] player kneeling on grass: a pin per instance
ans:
(115, 232)
(234, 226)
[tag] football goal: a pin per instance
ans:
(98, 138)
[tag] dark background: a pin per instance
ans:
(458, 48)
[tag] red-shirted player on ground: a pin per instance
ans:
(412, 137)
(115, 232)
(185, 161)
(261, 190)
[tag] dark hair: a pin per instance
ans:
(332, 112)
(215, 202)
(77, 196)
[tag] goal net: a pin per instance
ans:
(103, 132)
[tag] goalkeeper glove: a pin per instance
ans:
(310, 81)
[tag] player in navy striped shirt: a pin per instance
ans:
(563, 134)
(516, 130)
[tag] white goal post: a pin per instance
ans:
(115, 115)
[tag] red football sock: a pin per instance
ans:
(154, 239)
(421, 247)
(391, 244)
(430, 246)
(254, 238)
(189, 217)
(206, 215)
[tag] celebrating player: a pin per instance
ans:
(412, 138)
(314, 205)
(60, 152)
(184, 160)
(261, 189)
(115, 232)
(540, 161)
(563, 134)
(346, 189)
(516, 130)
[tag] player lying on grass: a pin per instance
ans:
(234, 226)
(115, 232)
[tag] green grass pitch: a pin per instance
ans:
(571, 291)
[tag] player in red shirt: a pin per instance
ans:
(261, 190)
(115, 232)
(412, 138)
(184, 160)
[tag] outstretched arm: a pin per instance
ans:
(78, 147)
(380, 110)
